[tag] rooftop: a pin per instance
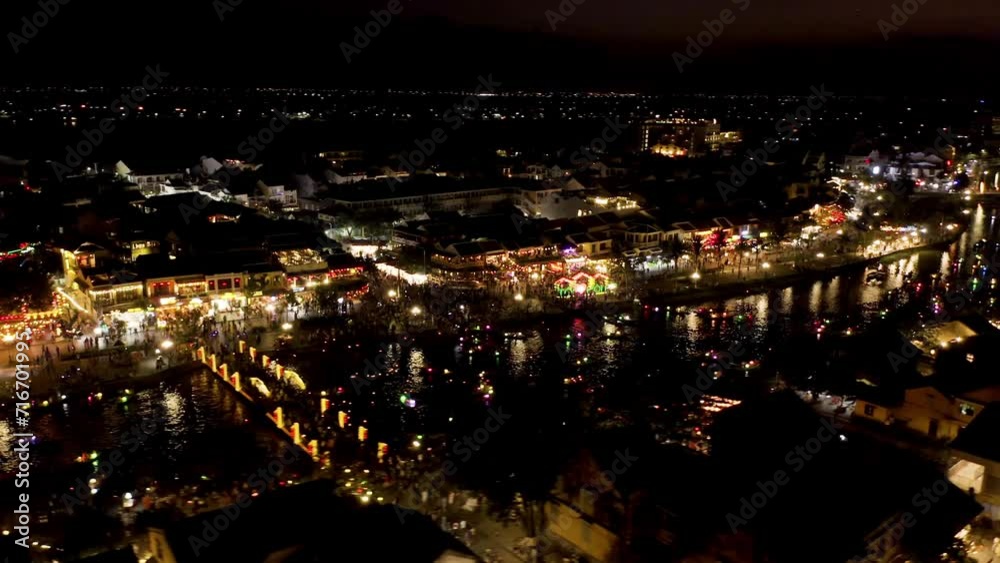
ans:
(309, 522)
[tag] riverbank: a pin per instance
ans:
(731, 286)
(734, 288)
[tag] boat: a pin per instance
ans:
(295, 380)
(707, 313)
(260, 387)
(877, 276)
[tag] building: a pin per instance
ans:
(148, 182)
(113, 290)
(975, 460)
(222, 279)
(417, 196)
(929, 410)
(477, 254)
(307, 522)
(685, 137)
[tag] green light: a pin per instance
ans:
(403, 399)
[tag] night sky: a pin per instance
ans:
(624, 43)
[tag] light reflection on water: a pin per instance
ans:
(197, 422)
(847, 297)
(601, 354)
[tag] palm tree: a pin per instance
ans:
(741, 246)
(719, 236)
(696, 244)
(676, 249)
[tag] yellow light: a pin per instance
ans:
(415, 311)
(286, 326)
(518, 297)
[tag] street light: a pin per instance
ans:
(696, 276)
(167, 344)
(415, 311)
(286, 326)
(766, 265)
(518, 297)
(392, 294)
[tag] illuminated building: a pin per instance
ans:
(685, 137)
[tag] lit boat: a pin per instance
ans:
(260, 387)
(295, 380)
(878, 276)
(712, 313)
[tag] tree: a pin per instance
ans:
(676, 249)
(779, 232)
(327, 300)
(718, 238)
(25, 287)
(741, 246)
(523, 459)
(696, 244)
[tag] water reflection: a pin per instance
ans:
(197, 420)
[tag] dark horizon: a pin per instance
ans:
(422, 49)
